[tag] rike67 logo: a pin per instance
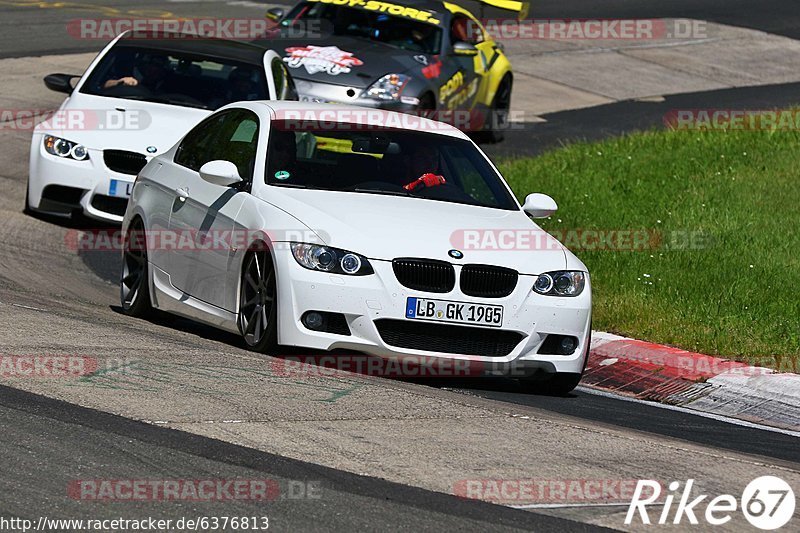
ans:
(767, 502)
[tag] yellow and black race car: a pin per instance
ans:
(414, 56)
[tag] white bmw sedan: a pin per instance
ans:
(336, 227)
(136, 99)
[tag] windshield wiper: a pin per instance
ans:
(157, 100)
(175, 101)
(383, 191)
(297, 186)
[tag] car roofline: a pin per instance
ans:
(181, 42)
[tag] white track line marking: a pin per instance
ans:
(568, 505)
(27, 307)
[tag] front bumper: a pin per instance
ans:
(61, 186)
(363, 300)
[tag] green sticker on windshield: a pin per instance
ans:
(282, 175)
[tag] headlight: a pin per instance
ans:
(560, 283)
(64, 148)
(388, 87)
(333, 260)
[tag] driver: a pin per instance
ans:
(424, 164)
(154, 70)
(242, 86)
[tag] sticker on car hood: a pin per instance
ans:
(328, 59)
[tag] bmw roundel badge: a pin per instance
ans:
(456, 254)
(152, 149)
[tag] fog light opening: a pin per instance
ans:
(313, 320)
(567, 345)
(558, 345)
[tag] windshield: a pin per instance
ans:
(417, 33)
(165, 77)
(350, 157)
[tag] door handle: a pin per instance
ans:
(183, 193)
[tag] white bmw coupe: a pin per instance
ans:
(136, 99)
(337, 227)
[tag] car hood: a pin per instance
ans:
(345, 60)
(101, 123)
(387, 227)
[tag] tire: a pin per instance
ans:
(499, 111)
(258, 302)
(27, 210)
(134, 284)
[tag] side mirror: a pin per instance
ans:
(538, 205)
(61, 83)
(275, 14)
(462, 48)
(220, 172)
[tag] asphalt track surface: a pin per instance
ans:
(61, 440)
(46, 442)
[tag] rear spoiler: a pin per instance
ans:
(521, 7)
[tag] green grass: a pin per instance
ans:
(738, 296)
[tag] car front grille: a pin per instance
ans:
(124, 162)
(110, 204)
(443, 338)
(488, 281)
(425, 274)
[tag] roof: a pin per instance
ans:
(186, 44)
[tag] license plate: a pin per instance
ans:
(120, 188)
(454, 312)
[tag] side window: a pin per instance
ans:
(230, 136)
(475, 31)
(198, 146)
(465, 29)
(280, 79)
(284, 84)
(239, 143)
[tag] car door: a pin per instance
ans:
(203, 213)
